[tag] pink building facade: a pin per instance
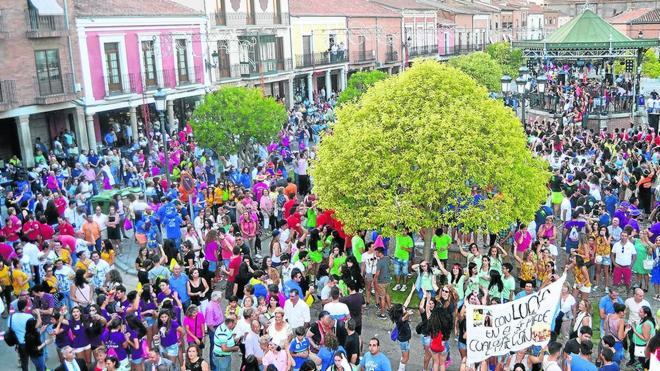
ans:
(124, 60)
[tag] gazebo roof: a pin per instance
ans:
(587, 31)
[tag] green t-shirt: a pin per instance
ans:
(403, 241)
(441, 244)
(509, 286)
(358, 247)
(311, 218)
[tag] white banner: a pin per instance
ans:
(494, 330)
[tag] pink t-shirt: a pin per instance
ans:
(195, 325)
(210, 251)
(526, 240)
(279, 360)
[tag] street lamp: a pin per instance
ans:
(506, 84)
(541, 82)
(640, 35)
(160, 98)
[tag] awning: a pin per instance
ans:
(47, 7)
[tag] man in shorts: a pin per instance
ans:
(382, 281)
(404, 246)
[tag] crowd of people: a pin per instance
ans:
(231, 281)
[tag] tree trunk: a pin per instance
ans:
(428, 235)
(245, 157)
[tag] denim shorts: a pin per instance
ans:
(426, 341)
(137, 361)
(405, 346)
(461, 346)
(212, 266)
(172, 350)
(400, 267)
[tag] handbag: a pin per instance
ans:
(394, 335)
(201, 345)
(648, 263)
(10, 336)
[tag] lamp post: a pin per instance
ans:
(522, 87)
(521, 83)
(541, 82)
(160, 98)
(506, 87)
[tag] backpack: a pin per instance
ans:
(437, 345)
(573, 234)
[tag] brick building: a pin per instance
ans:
(38, 76)
(634, 21)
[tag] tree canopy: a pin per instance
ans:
(481, 67)
(358, 83)
(233, 118)
(510, 59)
(411, 149)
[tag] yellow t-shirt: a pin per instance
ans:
(4, 276)
(527, 270)
(20, 281)
(52, 282)
(602, 246)
(109, 257)
(81, 265)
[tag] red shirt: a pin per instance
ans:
(287, 207)
(31, 228)
(46, 231)
(11, 232)
(67, 229)
(60, 203)
(234, 264)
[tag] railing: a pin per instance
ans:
(122, 84)
(228, 71)
(54, 90)
(362, 56)
(3, 23)
(554, 104)
(44, 25)
(392, 56)
(464, 49)
(270, 66)
(319, 59)
(7, 93)
(243, 18)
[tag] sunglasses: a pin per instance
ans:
(447, 291)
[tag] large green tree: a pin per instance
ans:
(510, 59)
(359, 83)
(233, 119)
(481, 67)
(410, 151)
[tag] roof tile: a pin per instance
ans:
(339, 8)
(131, 8)
(628, 15)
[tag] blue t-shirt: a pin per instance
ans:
(610, 367)
(610, 204)
(18, 322)
(290, 285)
(379, 362)
(179, 284)
(297, 346)
(173, 226)
(607, 306)
(580, 364)
(328, 356)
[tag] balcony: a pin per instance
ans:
(418, 51)
(54, 90)
(171, 78)
(362, 56)
(267, 67)
(121, 85)
(251, 19)
(391, 56)
(44, 26)
(320, 59)
(227, 72)
(7, 94)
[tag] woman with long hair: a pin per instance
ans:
(426, 306)
(315, 248)
(351, 274)
(548, 230)
(484, 272)
(582, 282)
(116, 340)
(401, 318)
(337, 259)
(197, 287)
(33, 344)
(582, 318)
(114, 229)
(108, 251)
(137, 334)
(456, 279)
(78, 333)
(194, 325)
(603, 259)
(211, 251)
(642, 331)
(168, 332)
(614, 325)
(496, 287)
(81, 290)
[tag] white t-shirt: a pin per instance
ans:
(623, 253)
(370, 261)
(553, 249)
(550, 365)
(31, 251)
(566, 306)
(633, 308)
(337, 310)
(566, 206)
(296, 315)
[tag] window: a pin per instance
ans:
(113, 67)
(49, 75)
(182, 61)
(223, 59)
(362, 44)
(267, 53)
(220, 15)
(251, 16)
(277, 12)
(149, 60)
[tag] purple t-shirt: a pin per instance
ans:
(169, 337)
(62, 339)
(80, 338)
(114, 340)
(135, 353)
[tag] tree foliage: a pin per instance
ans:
(409, 152)
(650, 64)
(509, 59)
(359, 83)
(231, 119)
(481, 67)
